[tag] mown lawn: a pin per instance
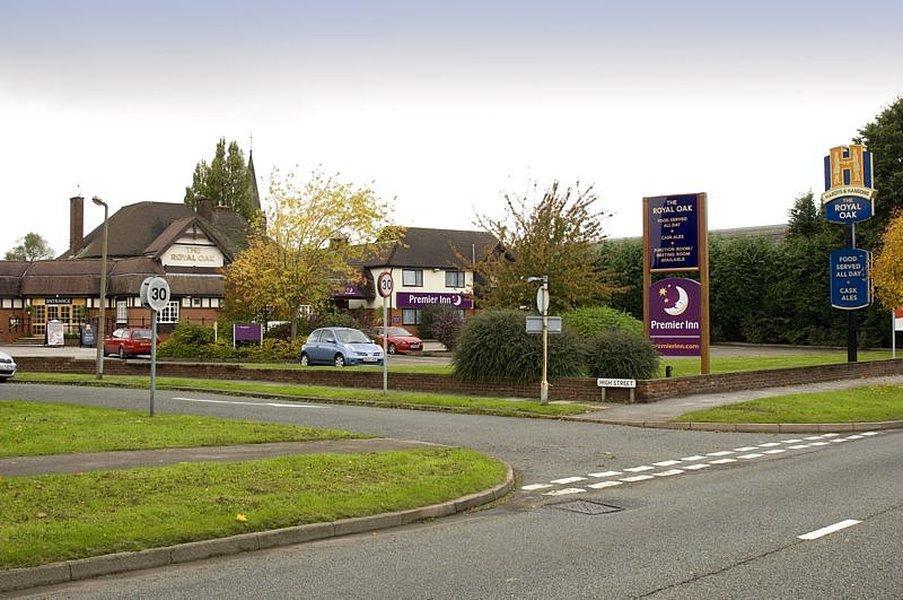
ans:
(37, 428)
(862, 404)
(427, 368)
(58, 517)
(375, 397)
(729, 364)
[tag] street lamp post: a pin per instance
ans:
(542, 304)
(101, 321)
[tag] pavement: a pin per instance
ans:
(665, 410)
(130, 459)
(727, 530)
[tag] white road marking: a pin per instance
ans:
(273, 404)
(668, 473)
(564, 492)
(793, 441)
(723, 461)
(870, 432)
(752, 455)
(829, 435)
(775, 451)
(770, 445)
(696, 467)
(799, 446)
(745, 449)
(814, 437)
(605, 474)
(639, 469)
(692, 458)
(820, 443)
(812, 535)
(834, 441)
(564, 480)
(536, 486)
(637, 478)
(722, 453)
(604, 484)
(667, 463)
(854, 437)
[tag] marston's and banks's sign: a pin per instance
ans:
(675, 327)
(849, 193)
(673, 232)
(421, 299)
(850, 286)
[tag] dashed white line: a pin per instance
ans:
(799, 446)
(854, 437)
(668, 473)
(564, 492)
(637, 478)
(819, 443)
(272, 404)
(605, 474)
(604, 484)
(769, 445)
(565, 480)
(793, 441)
(692, 458)
(639, 469)
(745, 448)
(536, 486)
(723, 461)
(721, 453)
(813, 535)
(870, 433)
(813, 437)
(838, 440)
(830, 435)
(774, 451)
(667, 463)
(696, 467)
(751, 455)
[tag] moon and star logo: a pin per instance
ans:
(674, 298)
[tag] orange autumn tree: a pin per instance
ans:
(887, 271)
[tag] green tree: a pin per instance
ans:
(30, 248)
(227, 179)
(550, 231)
(884, 137)
(805, 217)
(623, 260)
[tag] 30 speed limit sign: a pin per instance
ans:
(154, 293)
(384, 284)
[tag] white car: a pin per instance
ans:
(7, 367)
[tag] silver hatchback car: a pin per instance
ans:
(7, 367)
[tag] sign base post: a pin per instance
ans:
(153, 368)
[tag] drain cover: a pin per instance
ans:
(585, 507)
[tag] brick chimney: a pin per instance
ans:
(76, 223)
(204, 208)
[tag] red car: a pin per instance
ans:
(127, 342)
(400, 340)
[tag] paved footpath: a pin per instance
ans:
(129, 459)
(665, 410)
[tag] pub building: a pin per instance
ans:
(189, 247)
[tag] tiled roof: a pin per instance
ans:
(436, 248)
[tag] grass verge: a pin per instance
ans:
(37, 428)
(682, 367)
(394, 399)
(59, 517)
(861, 404)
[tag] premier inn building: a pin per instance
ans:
(190, 248)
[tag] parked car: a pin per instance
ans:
(340, 346)
(7, 367)
(128, 341)
(401, 341)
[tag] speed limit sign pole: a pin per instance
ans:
(385, 285)
(155, 296)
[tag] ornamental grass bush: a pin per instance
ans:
(589, 321)
(494, 346)
(621, 355)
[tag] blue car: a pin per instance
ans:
(340, 346)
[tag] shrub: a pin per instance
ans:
(327, 317)
(494, 346)
(429, 315)
(447, 328)
(590, 321)
(620, 354)
(196, 341)
(282, 331)
(192, 335)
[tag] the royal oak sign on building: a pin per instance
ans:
(849, 190)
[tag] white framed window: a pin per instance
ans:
(454, 279)
(412, 277)
(122, 312)
(17, 303)
(170, 314)
(214, 303)
(7, 303)
(304, 310)
(410, 316)
(206, 303)
(196, 303)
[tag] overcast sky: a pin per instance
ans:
(444, 105)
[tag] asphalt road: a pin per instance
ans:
(724, 531)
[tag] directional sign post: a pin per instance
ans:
(385, 284)
(155, 296)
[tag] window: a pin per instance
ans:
(314, 336)
(304, 310)
(412, 277)
(214, 303)
(454, 279)
(118, 334)
(410, 316)
(196, 303)
(170, 314)
(122, 314)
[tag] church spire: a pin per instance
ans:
(252, 176)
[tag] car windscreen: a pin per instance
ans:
(142, 334)
(399, 332)
(351, 336)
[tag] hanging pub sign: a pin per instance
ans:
(675, 311)
(850, 286)
(849, 193)
(673, 224)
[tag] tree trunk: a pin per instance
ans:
(295, 311)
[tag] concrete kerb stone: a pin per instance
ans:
(62, 572)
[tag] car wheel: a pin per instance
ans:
(339, 360)
(122, 353)
(392, 349)
(305, 361)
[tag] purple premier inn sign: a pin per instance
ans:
(421, 299)
(673, 232)
(675, 327)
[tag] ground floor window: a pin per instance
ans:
(410, 316)
(122, 314)
(170, 314)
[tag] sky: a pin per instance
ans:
(441, 106)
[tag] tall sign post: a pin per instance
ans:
(155, 296)
(896, 324)
(676, 310)
(385, 285)
(542, 305)
(849, 198)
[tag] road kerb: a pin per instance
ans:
(108, 564)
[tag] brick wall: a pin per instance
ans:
(573, 388)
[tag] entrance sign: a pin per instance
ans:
(534, 324)
(154, 293)
(850, 287)
(849, 189)
(675, 317)
(673, 232)
(676, 310)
